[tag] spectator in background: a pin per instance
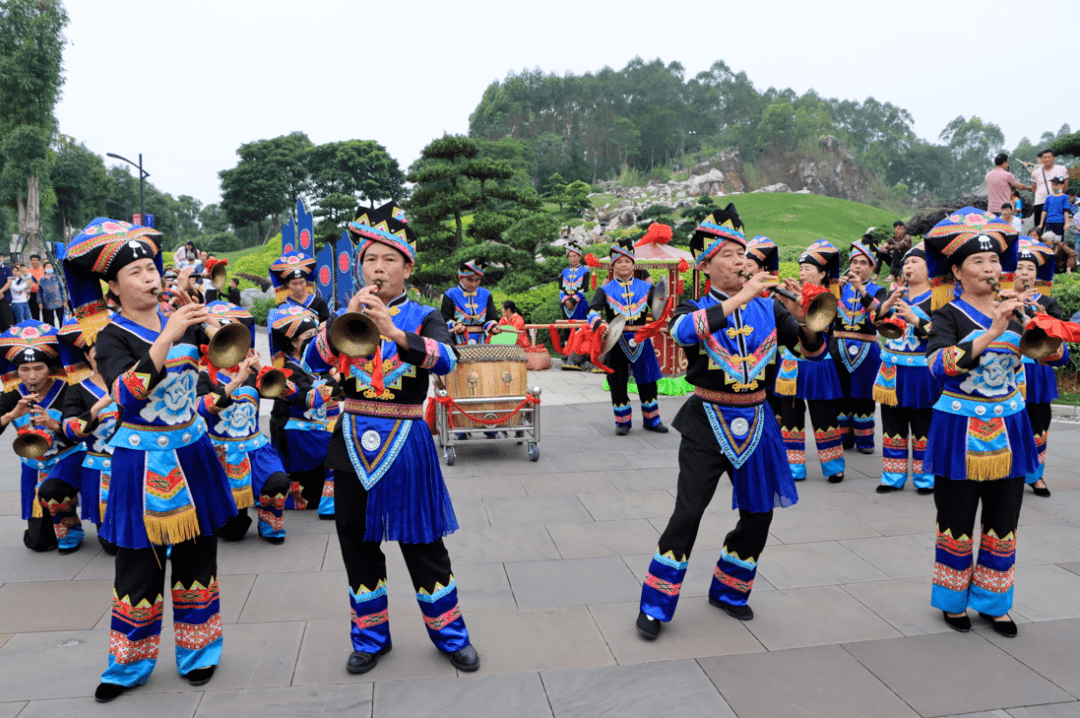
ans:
(1064, 255)
(20, 294)
(512, 317)
(37, 272)
(893, 251)
(1008, 216)
(1018, 204)
(51, 296)
(1000, 183)
(185, 256)
(1056, 209)
(7, 318)
(1041, 176)
(233, 293)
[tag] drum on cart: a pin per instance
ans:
(487, 370)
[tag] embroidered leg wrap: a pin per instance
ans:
(370, 629)
(650, 407)
(620, 399)
(365, 566)
(793, 431)
(136, 616)
(846, 426)
(920, 429)
(863, 421)
(957, 502)
(196, 604)
(733, 578)
(992, 582)
(1040, 416)
(436, 592)
(60, 502)
(894, 446)
(326, 501)
(827, 436)
(660, 592)
(623, 414)
(272, 506)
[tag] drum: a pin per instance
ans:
(487, 370)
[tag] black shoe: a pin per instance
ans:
(108, 691)
(849, 444)
(275, 540)
(886, 489)
(659, 428)
(836, 478)
(1043, 491)
(326, 517)
(866, 450)
(924, 491)
(71, 549)
(465, 659)
(40, 548)
(647, 626)
(957, 623)
(108, 546)
(1003, 628)
(743, 613)
(622, 430)
(200, 676)
(362, 662)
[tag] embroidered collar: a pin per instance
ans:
(147, 335)
(93, 388)
(718, 295)
(50, 395)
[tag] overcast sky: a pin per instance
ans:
(186, 83)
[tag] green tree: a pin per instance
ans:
(972, 145)
(577, 196)
(213, 219)
(81, 185)
(31, 76)
(187, 216)
(266, 182)
(362, 169)
(555, 190)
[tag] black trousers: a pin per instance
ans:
(827, 435)
(1039, 415)
(59, 523)
(35, 308)
(617, 360)
(306, 487)
(700, 469)
(54, 317)
(987, 585)
(235, 528)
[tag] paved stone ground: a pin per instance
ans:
(549, 561)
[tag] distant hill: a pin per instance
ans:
(796, 220)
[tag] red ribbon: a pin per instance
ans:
(556, 343)
(448, 401)
(586, 342)
(1058, 328)
(653, 328)
(809, 292)
(344, 362)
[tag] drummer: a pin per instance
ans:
(629, 299)
(469, 309)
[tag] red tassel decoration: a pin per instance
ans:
(708, 286)
(656, 234)
(683, 266)
(591, 260)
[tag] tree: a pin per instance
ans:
(555, 190)
(31, 76)
(361, 169)
(213, 219)
(187, 216)
(972, 145)
(266, 182)
(81, 185)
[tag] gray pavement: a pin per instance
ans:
(549, 562)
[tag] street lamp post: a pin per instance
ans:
(143, 174)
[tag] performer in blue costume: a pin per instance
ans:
(981, 444)
(167, 486)
(89, 418)
(302, 419)
(855, 349)
(35, 388)
(468, 309)
(730, 337)
(293, 284)
(803, 384)
(575, 305)
(904, 387)
(229, 404)
(1035, 270)
(628, 297)
(387, 482)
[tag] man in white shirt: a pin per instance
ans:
(1041, 177)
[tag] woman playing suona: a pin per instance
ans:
(167, 486)
(980, 445)
(802, 383)
(904, 386)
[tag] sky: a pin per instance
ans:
(186, 83)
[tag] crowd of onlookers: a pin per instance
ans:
(31, 292)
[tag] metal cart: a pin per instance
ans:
(528, 431)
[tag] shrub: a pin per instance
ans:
(259, 309)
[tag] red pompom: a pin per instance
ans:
(809, 291)
(656, 234)
(683, 266)
(591, 260)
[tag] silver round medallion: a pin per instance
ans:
(106, 463)
(186, 437)
(370, 440)
(242, 447)
(134, 440)
(980, 410)
(956, 406)
(999, 410)
(163, 441)
(1012, 404)
(911, 360)
(740, 426)
(853, 350)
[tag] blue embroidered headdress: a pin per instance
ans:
(386, 225)
(723, 225)
(764, 251)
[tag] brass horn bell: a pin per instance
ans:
(355, 335)
(229, 344)
(31, 445)
(219, 275)
(822, 312)
(273, 384)
(888, 329)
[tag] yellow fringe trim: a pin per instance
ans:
(173, 529)
(36, 511)
(941, 295)
(93, 322)
(78, 373)
(885, 396)
(988, 468)
(243, 497)
(785, 387)
(834, 288)
(102, 505)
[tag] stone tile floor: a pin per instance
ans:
(549, 562)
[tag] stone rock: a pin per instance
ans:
(248, 296)
(778, 187)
